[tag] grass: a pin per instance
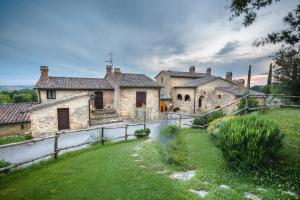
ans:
(15, 138)
(111, 172)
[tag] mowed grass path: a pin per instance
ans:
(94, 173)
(112, 173)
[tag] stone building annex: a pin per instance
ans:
(76, 103)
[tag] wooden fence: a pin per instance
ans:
(102, 138)
(57, 135)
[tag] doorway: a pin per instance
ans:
(99, 100)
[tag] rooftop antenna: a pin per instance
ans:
(110, 61)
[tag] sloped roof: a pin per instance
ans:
(164, 94)
(15, 113)
(236, 91)
(136, 80)
(197, 82)
(183, 74)
(54, 82)
(58, 101)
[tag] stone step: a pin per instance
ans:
(104, 116)
(106, 111)
(104, 121)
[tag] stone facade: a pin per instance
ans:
(186, 102)
(14, 129)
(44, 120)
(108, 96)
(127, 103)
(206, 97)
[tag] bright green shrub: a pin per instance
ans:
(214, 126)
(200, 121)
(172, 146)
(249, 140)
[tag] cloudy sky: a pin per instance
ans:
(74, 38)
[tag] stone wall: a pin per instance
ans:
(108, 96)
(14, 129)
(166, 81)
(184, 106)
(44, 120)
(127, 107)
(209, 96)
(176, 81)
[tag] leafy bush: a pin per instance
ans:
(200, 121)
(172, 146)
(214, 126)
(28, 136)
(249, 140)
(252, 103)
(140, 133)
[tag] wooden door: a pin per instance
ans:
(99, 100)
(63, 120)
(140, 99)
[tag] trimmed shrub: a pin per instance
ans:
(214, 126)
(140, 133)
(28, 136)
(249, 140)
(172, 146)
(200, 121)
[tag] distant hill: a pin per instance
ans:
(15, 87)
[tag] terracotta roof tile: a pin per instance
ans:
(73, 83)
(14, 113)
(136, 80)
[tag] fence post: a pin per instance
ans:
(145, 119)
(55, 145)
(246, 105)
(126, 135)
(180, 118)
(102, 136)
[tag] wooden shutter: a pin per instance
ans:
(140, 99)
(63, 118)
(99, 100)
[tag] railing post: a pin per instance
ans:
(180, 118)
(55, 145)
(102, 136)
(126, 129)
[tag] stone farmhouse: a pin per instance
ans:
(75, 103)
(194, 92)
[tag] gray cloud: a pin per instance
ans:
(228, 48)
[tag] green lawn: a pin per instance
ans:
(112, 173)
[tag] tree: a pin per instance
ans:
(23, 97)
(5, 98)
(249, 78)
(248, 8)
(287, 70)
(269, 83)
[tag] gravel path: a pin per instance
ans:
(23, 152)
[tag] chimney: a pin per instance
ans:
(192, 69)
(208, 71)
(108, 70)
(241, 83)
(44, 73)
(229, 76)
(117, 72)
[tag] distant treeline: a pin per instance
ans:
(17, 96)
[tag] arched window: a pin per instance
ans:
(187, 98)
(200, 103)
(179, 97)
